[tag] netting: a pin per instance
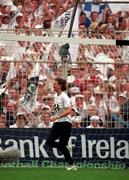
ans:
(95, 66)
(98, 73)
(97, 85)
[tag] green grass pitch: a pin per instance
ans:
(62, 174)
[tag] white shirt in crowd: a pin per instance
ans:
(16, 126)
(43, 125)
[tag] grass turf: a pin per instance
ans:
(62, 174)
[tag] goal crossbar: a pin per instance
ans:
(71, 40)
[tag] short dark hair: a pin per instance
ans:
(47, 24)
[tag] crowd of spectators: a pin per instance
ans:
(99, 92)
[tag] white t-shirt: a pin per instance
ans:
(61, 102)
(15, 126)
(43, 125)
(76, 119)
(91, 126)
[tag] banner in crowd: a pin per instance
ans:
(63, 19)
(119, 6)
(106, 148)
(88, 8)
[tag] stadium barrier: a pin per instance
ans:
(91, 148)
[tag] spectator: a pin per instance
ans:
(20, 121)
(94, 20)
(14, 96)
(123, 26)
(80, 105)
(4, 69)
(4, 100)
(73, 91)
(82, 30)
(125, 111)
(18, 21)
(45, 120)
(91, 111)
(2, 120)
(33, 119)
(94, 16)
(74, 70)
(94, 76)
(83, 20)
(120, 122)
(88, 97)
(112, 105)
(110, 21)
(2, 125)
(49, 100)
(5, 21)
(60, 11)
(101, 105)
(11, 114)
(76, 118)
(94, 122)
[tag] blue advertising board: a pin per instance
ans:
(105, 148)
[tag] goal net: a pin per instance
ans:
(95, 66)
(97, 86)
